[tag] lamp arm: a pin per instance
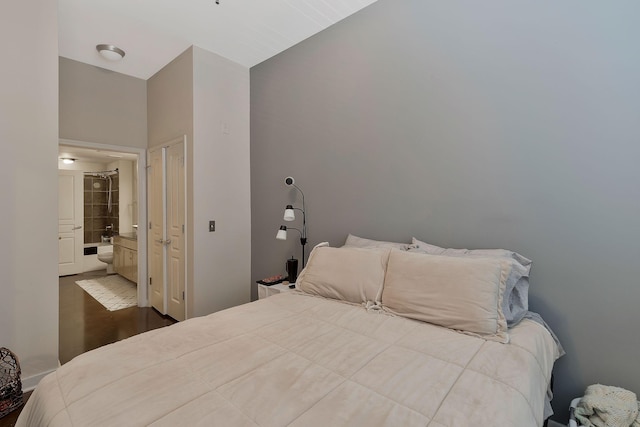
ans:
(304, 226)
(298, 188)
(303, 241)
(304, 222)
(303, 232)
(304, 216)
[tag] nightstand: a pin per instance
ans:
(266, 291)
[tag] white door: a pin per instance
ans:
(70, 219)
(175, 193)
(166, 242)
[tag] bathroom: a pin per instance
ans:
(109, 186)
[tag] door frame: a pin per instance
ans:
(149, 242)
(143, 297)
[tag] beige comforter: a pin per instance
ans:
(298, 360)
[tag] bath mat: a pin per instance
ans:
(113, 292)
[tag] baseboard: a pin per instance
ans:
(29, 383)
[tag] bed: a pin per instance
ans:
(326, 354)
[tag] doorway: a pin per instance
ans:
(113, 203)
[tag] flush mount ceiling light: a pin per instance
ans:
(110, 52)
(68, 160)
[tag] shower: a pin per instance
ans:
(106, 175)
(101, 205)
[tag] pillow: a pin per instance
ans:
(516, 300)
(459, 293)
(359, 242)
(350, 274)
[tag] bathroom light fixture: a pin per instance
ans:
(110, 52)
(289, 215)
(68, 160)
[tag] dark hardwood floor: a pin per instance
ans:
(85, 324)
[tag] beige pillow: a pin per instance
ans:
(515, 304)
(349, 274)
(459, 293)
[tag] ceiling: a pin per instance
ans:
(154, 32)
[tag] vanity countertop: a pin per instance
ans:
(130, 236)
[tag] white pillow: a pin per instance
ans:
(360, 242)
(464, 294)
(350, 274)
(516, 296)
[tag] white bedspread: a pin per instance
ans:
(297, 360)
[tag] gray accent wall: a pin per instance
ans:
(477, 125)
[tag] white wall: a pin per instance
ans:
(170, 101)
(195, 95)
(221, 183)
(93, 99)
(28, 170)
(125, 194)
(170, 115)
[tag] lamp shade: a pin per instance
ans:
(282, 233)
(289, 213)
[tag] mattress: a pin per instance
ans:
(299, 360)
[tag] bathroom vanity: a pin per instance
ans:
(125, 256)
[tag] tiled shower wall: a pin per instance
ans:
(96, 212)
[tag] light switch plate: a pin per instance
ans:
(212, 226)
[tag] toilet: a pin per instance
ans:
(105, 254)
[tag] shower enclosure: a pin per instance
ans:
(101, 197)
